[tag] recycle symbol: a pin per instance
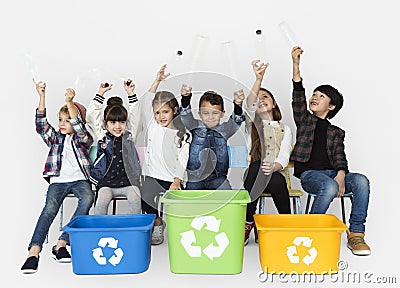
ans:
(292, 251)
(212, 224)
(113, 244)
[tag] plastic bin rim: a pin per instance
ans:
(340, 225)
(68, 228)
(164, 199)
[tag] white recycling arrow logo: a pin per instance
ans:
(291, 251)
(189, 238)
(110, 242)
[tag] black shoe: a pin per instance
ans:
(31, 265)
(61, 255)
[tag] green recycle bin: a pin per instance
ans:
(205, 230)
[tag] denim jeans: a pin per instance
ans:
(219, 183)
(55, 196)
(322, 183)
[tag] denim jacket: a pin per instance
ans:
(214, 139)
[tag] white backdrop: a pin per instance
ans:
(352, 45)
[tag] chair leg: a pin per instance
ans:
(308, 204)
(114, 208)
(343, 209)
(261, 205)
(61, 211)
(294, 205)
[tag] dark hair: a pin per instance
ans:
(213, 97)
(115, 110)
(166, 97)
(335, 96)
(257, 132)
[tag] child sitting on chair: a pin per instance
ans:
(67, 170)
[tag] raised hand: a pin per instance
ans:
(296, 52)
(161, 75)
(103, 88)
(69, 95)
(129, 87)
(186, 90)
(259, 68)
(40, 87)
(238, 97)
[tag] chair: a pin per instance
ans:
(346, 195)
(294, 194)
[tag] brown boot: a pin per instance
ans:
(357, 245)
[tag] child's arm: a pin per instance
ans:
(252, 98)
(186, 109)
(41, 89)
(93, 115)
(296, 52)
(43, 128)
(82, 135)
(134, 120)
(69, 96)
(299, 103)
(146, 100)
(161, 75)
(230, 127)
(180, 167)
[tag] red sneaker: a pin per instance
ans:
(249, 226)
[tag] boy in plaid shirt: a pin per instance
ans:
(319, 158)
(67, 169)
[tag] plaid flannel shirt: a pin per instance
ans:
(55, 141)
(306, 122)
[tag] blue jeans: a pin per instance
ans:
(55, 196)
(322, 183)
(219, 183)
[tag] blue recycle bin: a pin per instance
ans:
(110, 244)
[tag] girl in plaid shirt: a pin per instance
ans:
(67, 170)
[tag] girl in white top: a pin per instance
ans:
(167, 142)
(271, 144)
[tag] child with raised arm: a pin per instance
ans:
(67, 170)
(167, 153)
(319, 157)
(271, 144)
(116, 171)
(208, 156)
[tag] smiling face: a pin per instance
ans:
(265, 105)
(211, 114)
(63, 123)
(164, 114)
(319, 104)
(116, 128)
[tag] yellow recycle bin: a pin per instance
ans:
(301, 243)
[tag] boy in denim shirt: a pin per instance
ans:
(208, 153)
(319, 157)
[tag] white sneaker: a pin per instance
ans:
(157, 237)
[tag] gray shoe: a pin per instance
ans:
(157, 237)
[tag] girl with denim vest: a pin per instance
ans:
(67, 170)
(116, 171)
(167, 153)
(271, 143)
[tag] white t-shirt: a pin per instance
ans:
(70, 170)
